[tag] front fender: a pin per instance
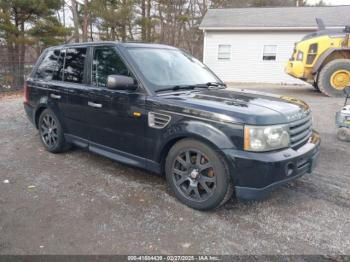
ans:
(221, 136)
(324, 56)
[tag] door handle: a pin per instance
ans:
(92, 104)
(55, 96)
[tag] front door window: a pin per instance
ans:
(106, 62)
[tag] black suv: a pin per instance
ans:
(156, 107)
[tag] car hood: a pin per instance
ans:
(237, 105)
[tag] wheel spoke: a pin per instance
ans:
(44, 130)
(205, 166)
(46, 121)
(181, 181)
(198, 159)
(181, 161)
(188, 158)
(48, 140)
(207, 179)
(205, 187)
(50, 121)
(196, 193)
(179, 172)
(188, 190)
(53, 140)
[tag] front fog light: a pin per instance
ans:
(265, 138)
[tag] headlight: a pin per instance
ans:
(300, 56)
(265, 138)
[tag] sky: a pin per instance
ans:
(330, 2)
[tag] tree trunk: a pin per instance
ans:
(149, 26)
(75, 20)
(143, 20)
(85, 21)
(22, 55)
(91, 31)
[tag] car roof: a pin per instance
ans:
(123, 44)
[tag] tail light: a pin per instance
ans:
(26, 93)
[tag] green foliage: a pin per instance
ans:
(26, 23)
(49, 31)
(31, 21)
(113, 16)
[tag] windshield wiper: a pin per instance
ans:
(215, 84)
(191, 87)
(182, 87)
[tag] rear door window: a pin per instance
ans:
(74, 65)
(49, 65)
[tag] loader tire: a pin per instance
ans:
(343, 134)
(315, 86)
(334, 77)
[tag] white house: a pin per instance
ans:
(254, 44)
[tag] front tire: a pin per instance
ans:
(198, 175)
(334, 77)
(51, 132)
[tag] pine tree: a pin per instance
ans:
(28, 22)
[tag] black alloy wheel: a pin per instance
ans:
(198, 175)
(51, 132)
(193, 174)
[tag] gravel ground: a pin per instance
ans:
(81, 203)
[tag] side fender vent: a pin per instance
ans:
(157, 120)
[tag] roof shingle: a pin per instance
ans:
(274, 17)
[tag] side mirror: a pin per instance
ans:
(121, 82)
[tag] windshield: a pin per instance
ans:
(165, 68)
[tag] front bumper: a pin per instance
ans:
(255, 175)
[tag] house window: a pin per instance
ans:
(224, 52)
(270, 52)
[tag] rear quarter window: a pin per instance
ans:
(49, 65)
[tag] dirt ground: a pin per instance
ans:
(81, 203)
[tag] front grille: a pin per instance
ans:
(300, 131)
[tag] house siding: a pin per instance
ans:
(246, 63)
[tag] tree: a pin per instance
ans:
(114, 18)
(85, 21)
(24, 23)
(74, 9)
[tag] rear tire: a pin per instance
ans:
(198, 175)
(343, 134)
(51, 132)
(328, 82)
(315, 86)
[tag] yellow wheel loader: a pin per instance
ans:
(322, 59)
